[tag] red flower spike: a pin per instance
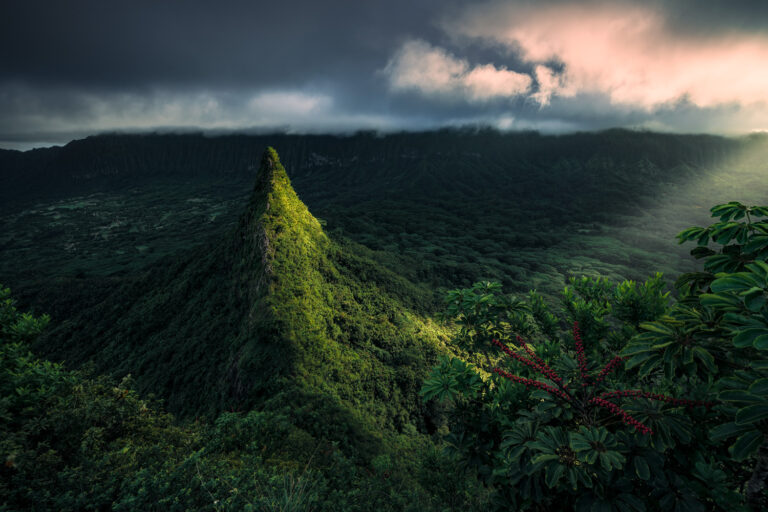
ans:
(625, 416)
(580, 354)
(534, 383)
(611, 366)
(543, 367)
(538, 365)
(544, 370)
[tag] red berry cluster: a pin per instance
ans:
(543, 367)
(621, 413)
(538, 365)
(588, 395)
(612, 365)
(636, 393)
(581, 355)
(534, 383)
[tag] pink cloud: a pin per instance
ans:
(419, 65)
(486, 82)
(627, 52)
(430, 70)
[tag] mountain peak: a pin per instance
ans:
(271, 172)
(270, 158)
(270, 163)
(277, 219)
(273, 314)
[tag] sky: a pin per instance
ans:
(73, 68)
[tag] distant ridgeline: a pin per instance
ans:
(273, 315)
(447, 208)
(576, 167)
(154, 260)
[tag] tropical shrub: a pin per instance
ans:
(72, 441)
(719, 327)
(643, 405)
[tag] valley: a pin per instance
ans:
(297, 320)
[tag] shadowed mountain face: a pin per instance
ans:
(459, 206)
(320, 343)
(273, 313)
(381, 167)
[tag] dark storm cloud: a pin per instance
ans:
(126, 43)
(75, 67)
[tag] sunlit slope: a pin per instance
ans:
(275, 315)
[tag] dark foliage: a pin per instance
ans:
(292, 349)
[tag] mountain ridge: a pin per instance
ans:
(128, 156)
(275, 312)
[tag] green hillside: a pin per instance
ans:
(72, 441)
(273, 314)
(300, 357)
(447, 208)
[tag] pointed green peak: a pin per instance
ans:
(270, 158)
(283, 205)
(269, 170)
(270, 162)
(277, 221)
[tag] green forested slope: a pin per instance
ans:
(292, 355)
(273, 314)
(450, 206)
(72, 441)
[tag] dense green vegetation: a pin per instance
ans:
(445, 208)
(644, 405)
(289, 351)
(321, 349)
(273, 313)
(72, 441)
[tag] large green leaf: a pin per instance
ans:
(707, 359)
(724, 233)
(752, 413)
(760, 268)
(747, 337)
(727, 430)
(726, 262)
(553, 475)
(747, 444)
(638, 359)
(761, 342)
(692, 234)
(759, 387)
(728, 210)
(635, 348)
(651, 364)
(756, 243)
(754, 299)
(539, 460)
(734, 282)
(641, 468)
(657, 327)
(719, 301)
